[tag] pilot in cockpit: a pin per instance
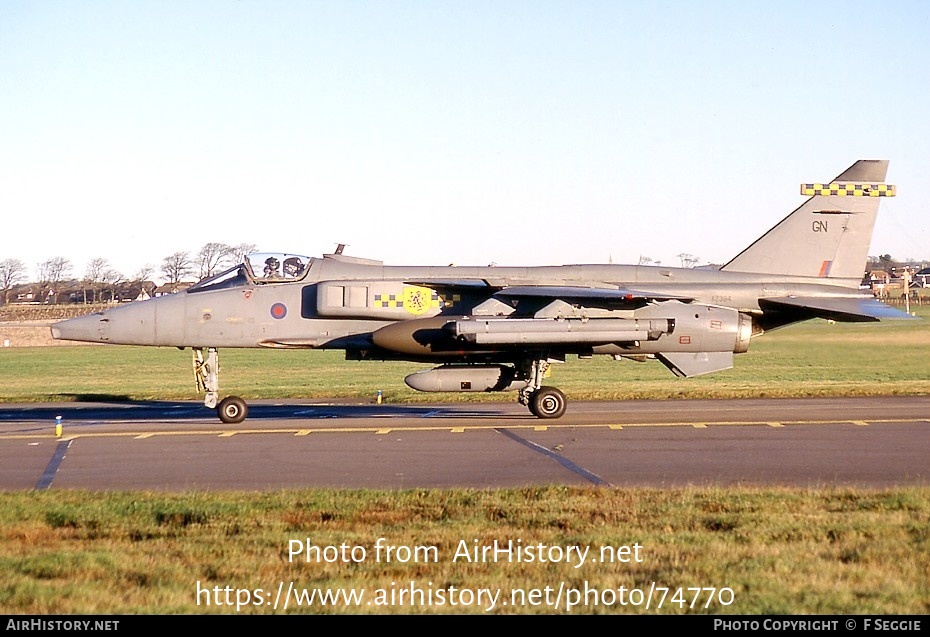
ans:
(293, 267)
(271, 268)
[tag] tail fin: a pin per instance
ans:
(828, 236)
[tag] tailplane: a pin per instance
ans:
(828, 236)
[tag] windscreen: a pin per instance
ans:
(277, 266)
(258, 268)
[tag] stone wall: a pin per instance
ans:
(29, 325)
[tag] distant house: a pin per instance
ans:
(136, 291)
(172, 288)
(881, 283)
(25, 295)
(878, 277)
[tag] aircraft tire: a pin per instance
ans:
(547, 402)
(232, 410)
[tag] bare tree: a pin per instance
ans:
(238, 252)
(53, 272)
(110, 280)
(688, 260)
(177, 266)
(12, 271)
(144, 273)
(141, 285)
(211, 257)
(93, 276)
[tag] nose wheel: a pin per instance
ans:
(232, 409)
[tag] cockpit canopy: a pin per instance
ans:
(277, 266)
(259, 268)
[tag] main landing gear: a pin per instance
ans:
(231, 409)
(543, 402)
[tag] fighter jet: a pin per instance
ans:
(492, 329)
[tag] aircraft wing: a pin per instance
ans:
(547, 292)
(844, 309)
(577, 293)
(454, 284)
(532, 298)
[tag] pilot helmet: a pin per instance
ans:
(271, 262)
(292, 266)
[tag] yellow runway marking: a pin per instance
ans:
(452, 429)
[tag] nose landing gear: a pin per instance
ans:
(232, 409)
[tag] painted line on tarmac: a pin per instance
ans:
(306, 431)
(565, 462)
(52, 469)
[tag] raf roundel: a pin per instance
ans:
(278, 311)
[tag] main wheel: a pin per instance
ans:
(547, 402)
(232, 409)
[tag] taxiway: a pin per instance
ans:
(178, 446)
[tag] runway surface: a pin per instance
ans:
(179, 446)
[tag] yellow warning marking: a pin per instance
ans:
(540, 428)
(699, 425)
(615, 427)
(851, 190)
(774, 424)
(383, 431)
(228, 434)
(302, 432)
(144, 436)
(418, 300)
(860, 423)
(415, 300)
(460, 430)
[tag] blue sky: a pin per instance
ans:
(434, 132)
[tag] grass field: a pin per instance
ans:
(746, 551)
(770, 551)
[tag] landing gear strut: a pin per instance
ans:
(543, 402)
(231, 409)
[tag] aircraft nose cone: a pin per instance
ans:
(131, 324)
(91, 328)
